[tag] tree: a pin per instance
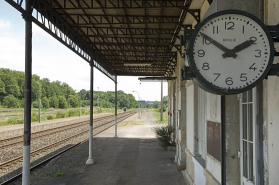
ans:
(45, 102)
(10, 101)
(35, 104)
(73, 101)
(2, 87)
(54, 102)
(62, 102)
(156, 104)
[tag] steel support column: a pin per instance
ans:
(39, 103)
(162, 101)
(90, 158)
(27, 94)
(115, 104)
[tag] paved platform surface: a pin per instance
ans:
(134, 158)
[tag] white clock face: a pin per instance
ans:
(231, 51)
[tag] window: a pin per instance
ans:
(248, 107)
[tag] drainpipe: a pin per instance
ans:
(260, 111)
(223, 140)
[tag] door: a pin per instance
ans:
(248, 112)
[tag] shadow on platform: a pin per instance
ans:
(122, 161)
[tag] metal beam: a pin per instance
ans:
(126, 31)
(128, 4)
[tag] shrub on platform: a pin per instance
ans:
(164, 135)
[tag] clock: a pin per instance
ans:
(230, 52)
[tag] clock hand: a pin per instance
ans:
(220, 46)
(240, 47)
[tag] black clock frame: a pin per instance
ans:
(202, 82)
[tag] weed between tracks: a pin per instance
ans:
(59, 174)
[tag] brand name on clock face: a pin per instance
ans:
(229, 40)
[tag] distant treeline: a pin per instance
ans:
(57, 94)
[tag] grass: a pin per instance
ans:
(46, 114)
(126, 123)
(157, 115)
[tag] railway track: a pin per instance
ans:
(16, 139)
(99, 125)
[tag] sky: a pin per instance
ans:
(53, 60)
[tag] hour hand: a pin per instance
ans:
(240, 47)
(220, 46)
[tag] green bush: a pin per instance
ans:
(35, 104)
(45, 102)
(10, 101)
(164, 135)
(73, 113)
(60, 114)
(53, 102)
(34, 117)
(49, 117)
(21, 103)
(14, 121)
(164, 108)
(62, 102)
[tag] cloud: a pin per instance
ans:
(4, 24)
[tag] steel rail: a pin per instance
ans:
(57, 143)
(58, 127)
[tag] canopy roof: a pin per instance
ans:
(120, 37)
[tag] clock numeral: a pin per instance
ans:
(253, 67)
(229, 81)
(229, 25)
(254, 39)
(201, 53)
(204, 41)
(205, 66)
(218, 74)
(243, 77)
(215, 30)
(243, 29)
(258, 53)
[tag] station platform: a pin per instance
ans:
(132, 158)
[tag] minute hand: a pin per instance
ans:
(240, 47)
(220, 46)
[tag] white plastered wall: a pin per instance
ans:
(190, 119)
(271, 100)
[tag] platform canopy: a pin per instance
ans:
(121, 37)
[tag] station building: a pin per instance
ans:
(251, 118)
